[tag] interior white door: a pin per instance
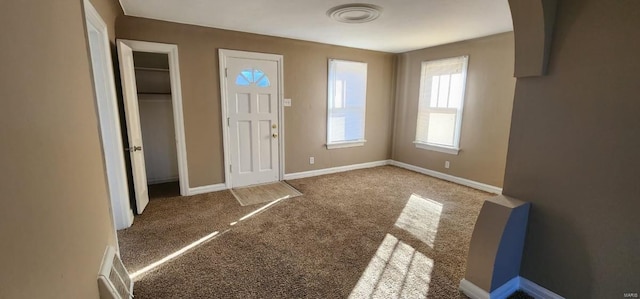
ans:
(252, 111)
(132, 116)
(107, 102)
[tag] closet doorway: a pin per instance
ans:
(153, 113)
(153, 84)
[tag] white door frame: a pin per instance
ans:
(223, 55)
(109, 118)
(176, 100)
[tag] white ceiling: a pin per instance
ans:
(404, 25)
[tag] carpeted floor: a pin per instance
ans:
(252, 195)
(162, 190)
(373, 233)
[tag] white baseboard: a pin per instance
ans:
(536, 290)
(516, 283)
(311, 173)
(429, 172)
(506, 289)
(206, 189)
(448, 177)
(473, 291)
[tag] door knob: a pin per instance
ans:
(274, 135)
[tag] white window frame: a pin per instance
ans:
(330, 93)
(425, 98)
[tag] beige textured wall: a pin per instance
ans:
(532, 25)
(305, 82)
(573, 153)
(54, 222)
(109, 10)
(487, 109)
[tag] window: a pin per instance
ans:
(347, 97)
(249, 76)
(442, 84)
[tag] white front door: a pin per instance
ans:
(252, 106)
(132, 115)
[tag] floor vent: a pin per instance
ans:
(113, 279)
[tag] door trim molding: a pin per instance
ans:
(120, 209)
(223, 54)
(176, 100)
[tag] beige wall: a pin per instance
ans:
(305, 82)
(573, 153)
(109, 10)
(54, 221)
(487, 109)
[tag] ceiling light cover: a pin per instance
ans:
(355, 13)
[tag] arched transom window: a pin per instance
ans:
(248, 77)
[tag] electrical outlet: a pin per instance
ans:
(312, 160)
(446, 164)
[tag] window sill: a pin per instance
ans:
(437, 148)
(345, 144)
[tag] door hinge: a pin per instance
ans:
(230, 169)
(226, 74)
(228, 121)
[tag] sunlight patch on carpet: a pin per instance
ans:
(136, 275)
(258, 211)
(421, 217)
(397, 270)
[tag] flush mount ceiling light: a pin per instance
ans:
(355, 13)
